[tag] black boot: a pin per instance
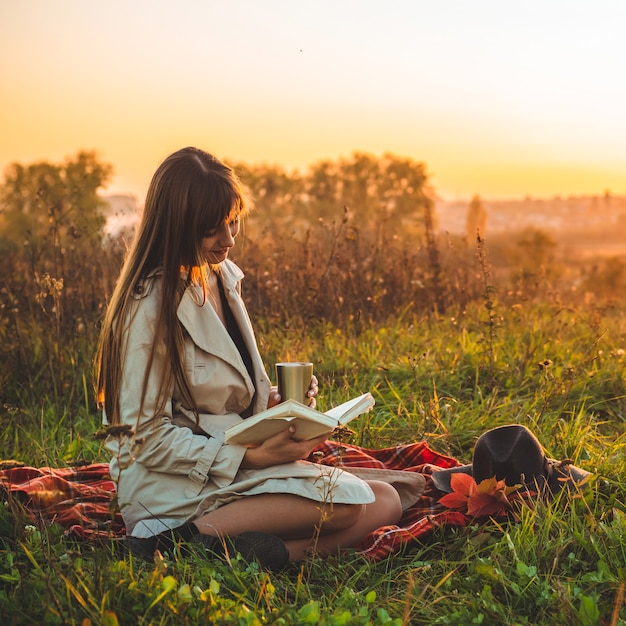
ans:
(269, 551)
(170, 541)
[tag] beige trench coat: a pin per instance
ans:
(171, 470)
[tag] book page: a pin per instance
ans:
(305, 429)
(347, 411)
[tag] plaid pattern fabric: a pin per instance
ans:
(82, 499)
(417, 522)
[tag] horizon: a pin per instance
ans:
(106, 193)
(495, 99)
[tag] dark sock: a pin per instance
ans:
(185, 532)
(168, 539)
(268, 550)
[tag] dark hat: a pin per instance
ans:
(513, 453)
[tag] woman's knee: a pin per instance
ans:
(386, 509)
(388, 501)
(341, 516)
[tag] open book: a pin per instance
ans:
(309, 422)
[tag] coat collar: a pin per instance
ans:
(206, 329)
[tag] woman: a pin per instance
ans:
(178, 363)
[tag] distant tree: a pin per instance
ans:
(348, 225)
(476, 222)
(53, 269)
(390, 190)
(534, 255)
(51, 237)
(537, 246)
(385, 207)
(274, 191)
(51, 215)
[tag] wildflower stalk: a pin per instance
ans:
(492, 322)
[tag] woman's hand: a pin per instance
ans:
(274, 397)
(312, 392)
(279, 449)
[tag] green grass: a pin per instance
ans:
(562, 372)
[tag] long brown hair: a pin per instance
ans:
(190, 193)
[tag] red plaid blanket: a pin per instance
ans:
(83, 501)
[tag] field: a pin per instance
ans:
(560, 371)
(451, 338)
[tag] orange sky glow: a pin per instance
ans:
(497, 98)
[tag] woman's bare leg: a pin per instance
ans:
(304, 524)
(385, 511)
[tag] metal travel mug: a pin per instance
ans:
(294, 380)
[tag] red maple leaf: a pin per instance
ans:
(484, 504)
(489, 498)
(463, 486)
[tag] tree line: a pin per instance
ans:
(347, 243)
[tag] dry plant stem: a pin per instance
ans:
(434, 261)
(488, 297)
(619, 601)
(337, 230)
(325, 509)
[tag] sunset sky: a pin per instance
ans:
(500, 98)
